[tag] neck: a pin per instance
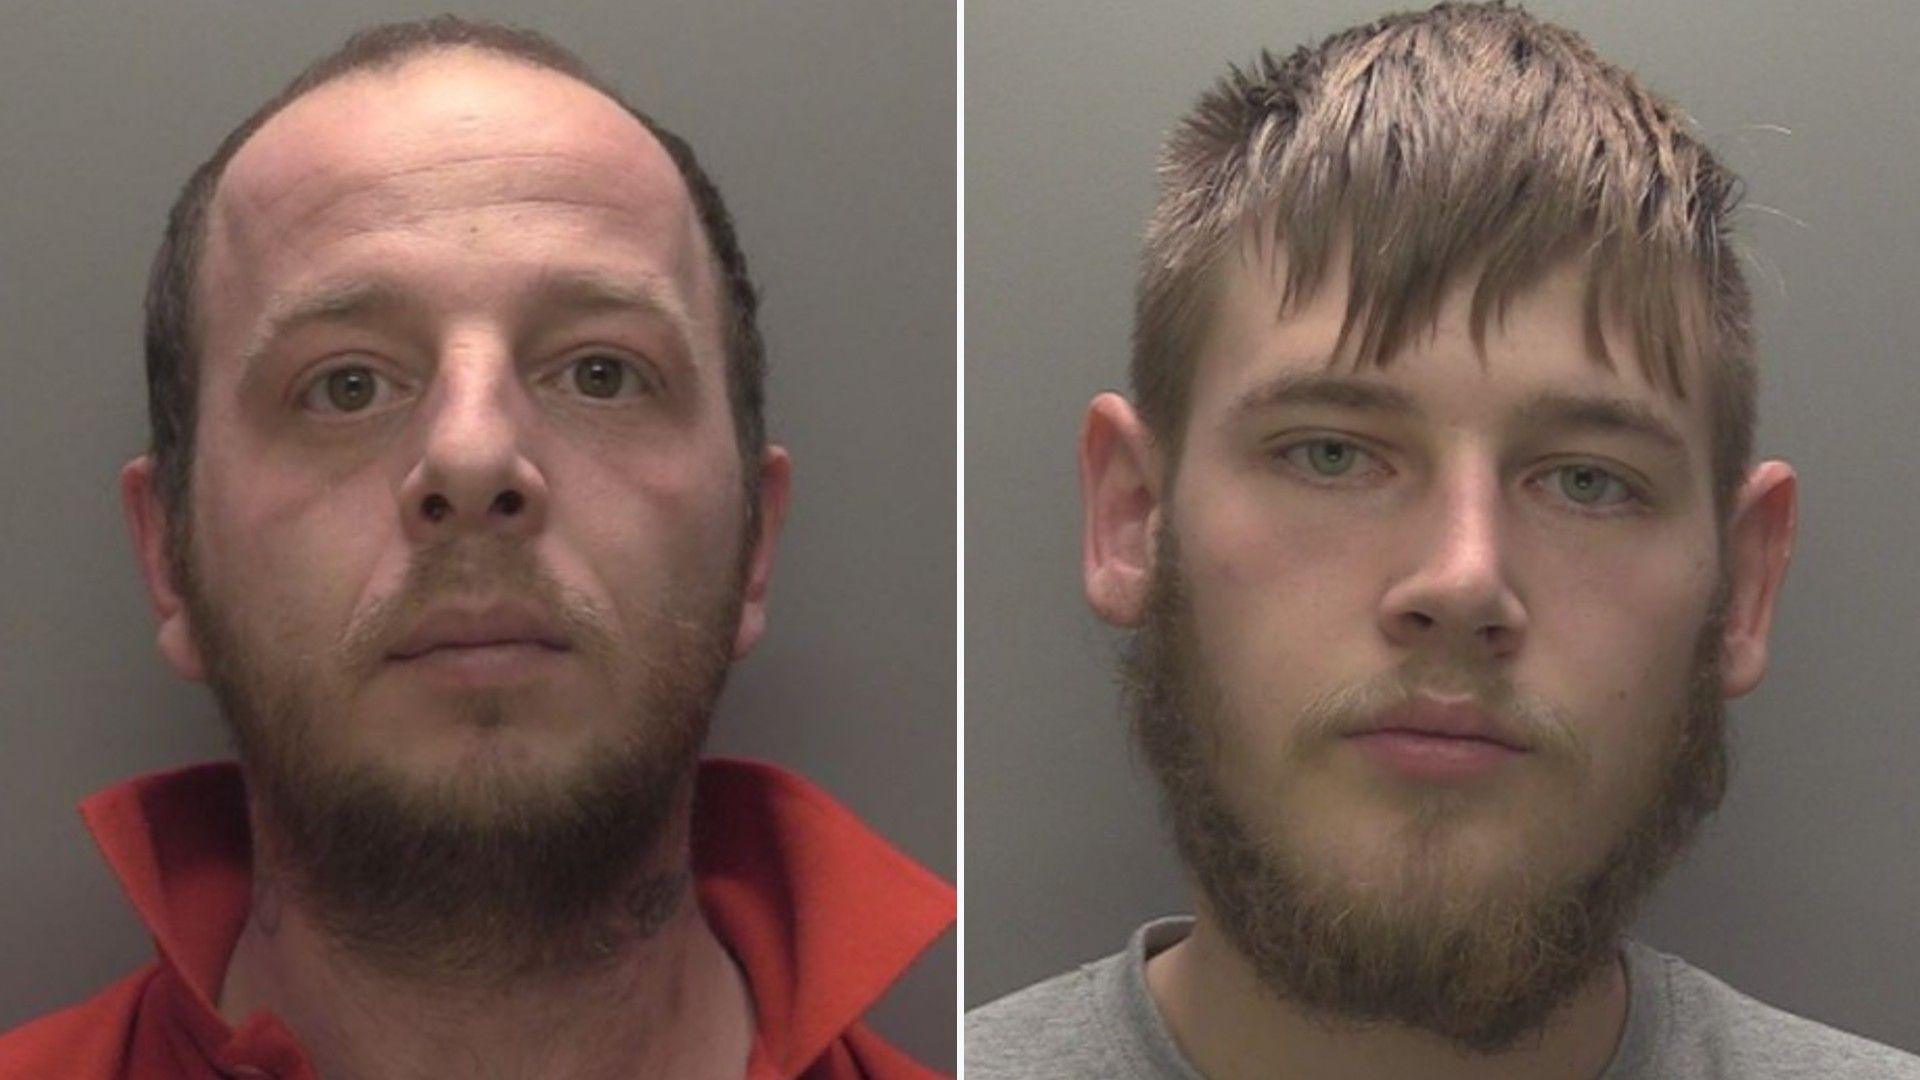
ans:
(1231, 1026)
(669, 1002)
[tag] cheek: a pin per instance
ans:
(286, 549)
(1617, 647)
(660, 534)
(1265, 570)
(1632, 611)
(1281, 607)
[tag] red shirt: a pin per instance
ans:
(820, 913)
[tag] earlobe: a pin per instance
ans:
(776, 485)
(1120, 495)
(147, 524)
(1760, 537)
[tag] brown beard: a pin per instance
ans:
(488, 874)
(1483, 974)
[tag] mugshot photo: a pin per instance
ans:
(1389, 431)
(1014, 541)
(463, 422)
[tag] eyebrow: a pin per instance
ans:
(578, 292)
(589, 291)
(1603, 414)
(1319, 388)
(341, 302)
(1599, 413)
(593, 292)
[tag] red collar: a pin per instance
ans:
(821, 914)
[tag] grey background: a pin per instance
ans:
(1803, 890)
(829, 127)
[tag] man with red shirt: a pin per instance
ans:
(461, 503)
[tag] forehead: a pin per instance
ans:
(442, 147)
(1539, 340)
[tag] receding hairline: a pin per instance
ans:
(392, 68)
(660, 163)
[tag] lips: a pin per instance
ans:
(1430, 718)
(478, 627)
(1426, 741)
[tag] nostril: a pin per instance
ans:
(435, 507)
(509, 503)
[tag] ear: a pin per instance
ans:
(147, 522)
(776, 484)
(1120, 495)
(1760, 535)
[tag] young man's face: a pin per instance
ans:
(1429, 637)
(1469, 528)
(466, 512)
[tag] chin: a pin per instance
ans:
(1449, 853)
(535, 722)
(511, 758)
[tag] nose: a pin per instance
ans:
(474, 473)
(1458, 596)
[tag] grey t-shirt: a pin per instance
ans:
(1099, 1022)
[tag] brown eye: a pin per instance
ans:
(606, 377)
(350, 389)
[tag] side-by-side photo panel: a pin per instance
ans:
(1437, 572)
(480, 548)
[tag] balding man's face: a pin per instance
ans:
(467, 518)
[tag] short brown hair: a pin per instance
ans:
(1467, 137)
(171, 330)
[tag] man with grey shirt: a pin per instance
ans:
(1435, 516)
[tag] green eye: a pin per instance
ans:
(605, 377)
(1330, 457)
(1590, 485)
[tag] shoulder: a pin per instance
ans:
(81, 1042)
(1714, 1030)
(1051, 1029)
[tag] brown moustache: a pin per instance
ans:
(1356, 707)
(498, 570)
